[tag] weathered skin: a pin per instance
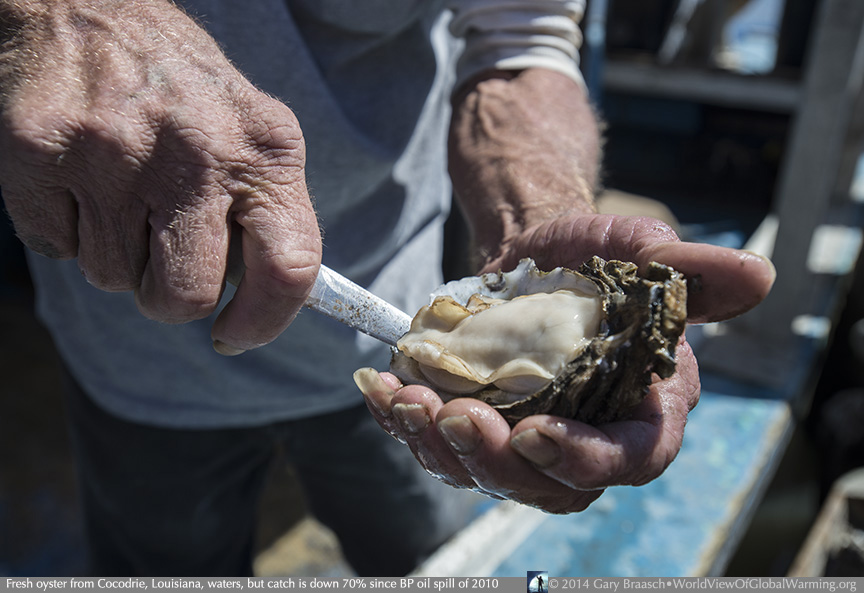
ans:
(130, 142)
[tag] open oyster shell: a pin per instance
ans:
(580, 344)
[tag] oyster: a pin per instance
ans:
(580, 344)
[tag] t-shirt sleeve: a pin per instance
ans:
(518, 34)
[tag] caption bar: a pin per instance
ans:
(435, 584)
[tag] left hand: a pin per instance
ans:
(553, 463)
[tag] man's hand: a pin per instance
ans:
(130, 142)
(523, 157)
(553, 463)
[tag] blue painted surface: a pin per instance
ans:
(677, 524)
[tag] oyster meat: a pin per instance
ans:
(578, 344)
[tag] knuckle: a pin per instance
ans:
(107, 280)
(33, 138)
(176, 305)
(646, 232)
(44, 219)
(272, 122)
(191, 305)
(289, 273)
(274, 138)
(50, 248)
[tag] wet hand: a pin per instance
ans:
(553, 463)
(721, 282)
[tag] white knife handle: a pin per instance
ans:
(348, 303)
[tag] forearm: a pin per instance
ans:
(524, 148)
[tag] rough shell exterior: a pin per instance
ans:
(644, 317)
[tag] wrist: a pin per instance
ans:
(524, 148)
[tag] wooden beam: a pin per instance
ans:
(814, 157)
(712, 87)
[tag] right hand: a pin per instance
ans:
(130, 142)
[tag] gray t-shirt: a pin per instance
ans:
(370, 84)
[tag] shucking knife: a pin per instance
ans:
(348, 303)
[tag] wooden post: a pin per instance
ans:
(761, 347)
(832, 85)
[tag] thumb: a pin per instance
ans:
(721, 282)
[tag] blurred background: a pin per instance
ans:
(739, 122)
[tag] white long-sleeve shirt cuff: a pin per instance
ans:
(518, 34)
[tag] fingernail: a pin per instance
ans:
(461, 433)
(412, 417)
(226, 350)
(768, 263)
(373, 387)
(537, 448)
